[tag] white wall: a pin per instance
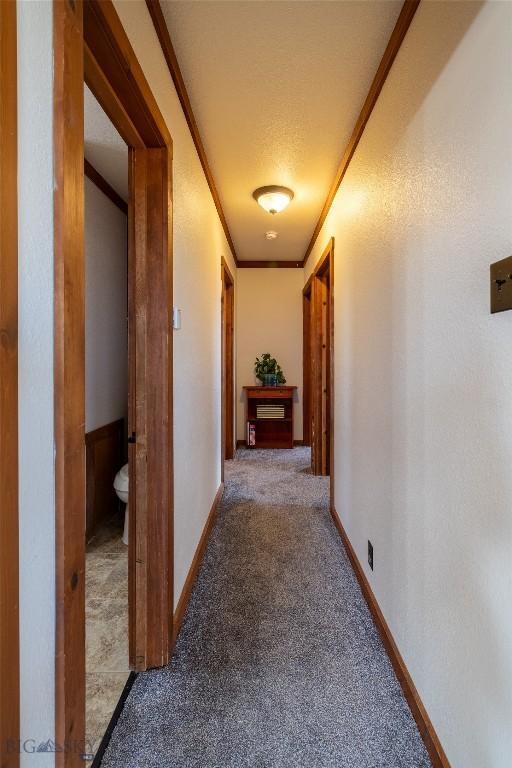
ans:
(423, 375)
(269, 319)
(36, 469)
(199, 243)
(106, 337)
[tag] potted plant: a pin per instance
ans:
(268, 371)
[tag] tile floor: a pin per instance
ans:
(106, 626)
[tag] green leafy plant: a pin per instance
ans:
(268, 366)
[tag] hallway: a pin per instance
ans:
(278, 662)
(284, 226)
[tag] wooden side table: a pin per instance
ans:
(269, 417)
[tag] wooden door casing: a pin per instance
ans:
(228, 363)
(320, 289)
(9, 520)
(149, 412)
(90, 43)
(306, 365)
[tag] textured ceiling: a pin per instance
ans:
(104, 147)
(276, 88)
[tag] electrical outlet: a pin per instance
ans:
(370, 554)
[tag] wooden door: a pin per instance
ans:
(319, 362)
(326, 373)
(306, 365)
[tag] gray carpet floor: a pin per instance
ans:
(278, 663)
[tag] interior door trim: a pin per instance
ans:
(325, 266)
(90, 42)
(228, 364)
(9, 523)
(306, 362)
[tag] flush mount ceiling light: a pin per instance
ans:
(273, 199)
(271, 235)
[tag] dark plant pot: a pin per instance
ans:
(269, 380)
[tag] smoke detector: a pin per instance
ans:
(271, 235)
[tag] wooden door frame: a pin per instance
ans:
(324, 267)
(89, 41)
(306, 362)
(227, 364)
(9, 521)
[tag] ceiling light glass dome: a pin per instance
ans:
(273, 199)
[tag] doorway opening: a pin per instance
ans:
(106, 406)
(318, 365)
(91, 45)
(228, 363)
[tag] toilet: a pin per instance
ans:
(121, 482)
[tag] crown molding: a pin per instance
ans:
(95, 176)
(405, 17)
(268, 263)
(162, 31)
